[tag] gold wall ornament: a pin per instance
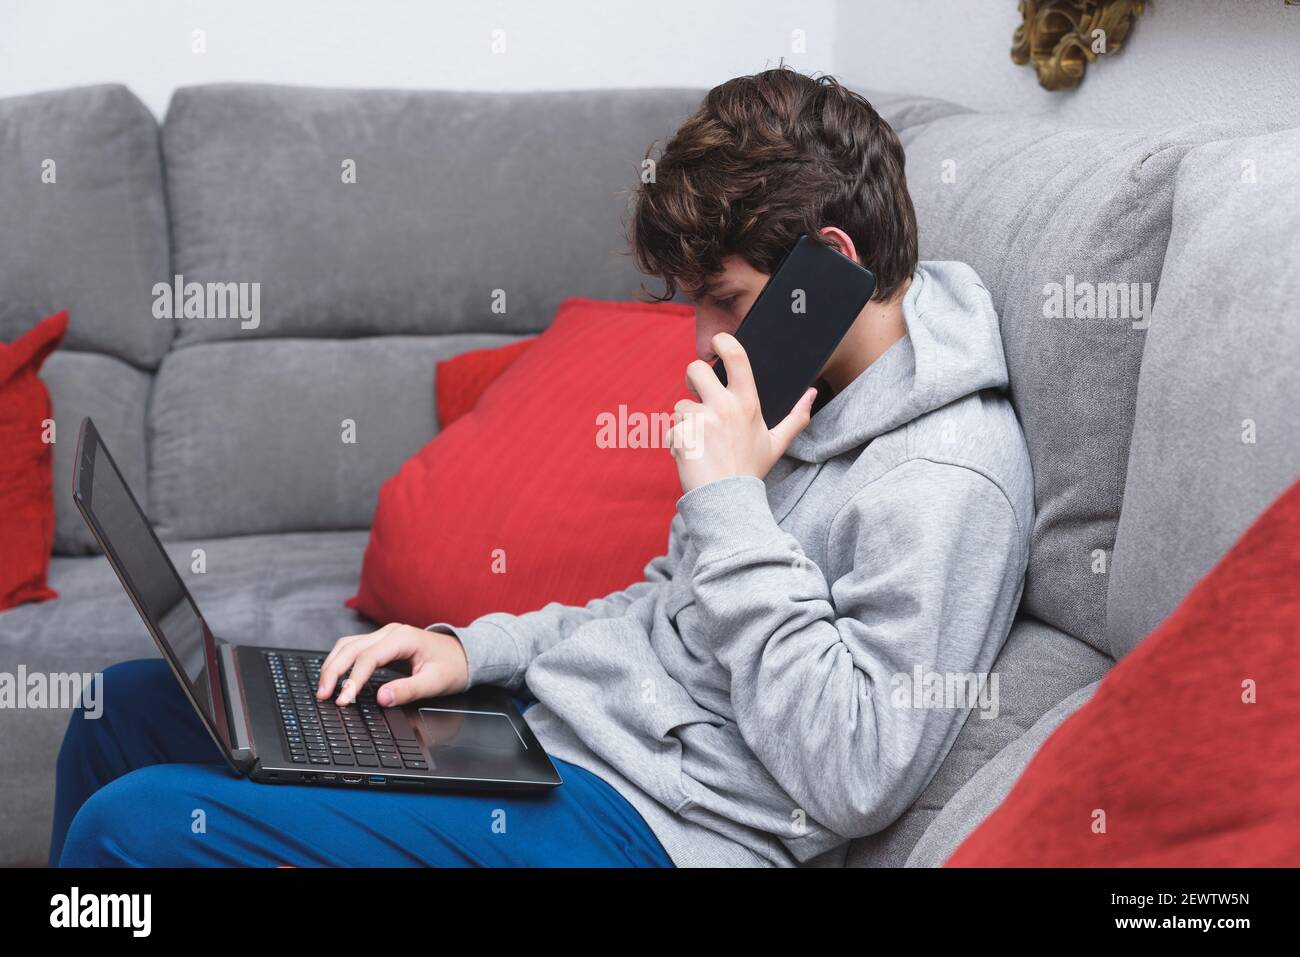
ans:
(1061, 37)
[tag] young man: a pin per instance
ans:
(751, 701)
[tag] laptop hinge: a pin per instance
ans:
(236, 706)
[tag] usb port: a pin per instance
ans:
(377, 779)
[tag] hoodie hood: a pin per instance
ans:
(953, 348)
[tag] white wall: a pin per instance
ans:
(1185, 60)
(550, 44)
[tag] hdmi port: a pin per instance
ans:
(352, 778)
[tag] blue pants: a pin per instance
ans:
(145, 785)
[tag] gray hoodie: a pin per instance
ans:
(793, 671)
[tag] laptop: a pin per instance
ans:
(259, 704)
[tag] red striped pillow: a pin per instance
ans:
(555, 487)
(460, 381)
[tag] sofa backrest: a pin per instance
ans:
(1217, 432)
(86, 230)
(383, 231)
(1067, 227)
(418, 220)
(456, 195)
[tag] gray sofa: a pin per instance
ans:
(1155, 440)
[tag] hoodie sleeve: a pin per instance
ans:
(499, 647)
(935, 562)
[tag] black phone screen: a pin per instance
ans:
(799, 317)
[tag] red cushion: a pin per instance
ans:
(461, 380)
(522, 477)
(1186, 772)
(26, 463)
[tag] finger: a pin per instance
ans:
(683, 412)
(784, 432)
(673, 438)
(703, 382)
(340, 659)
(426, 681)
(391, 648)
(740, 377)
(681, 435)
(343, 643)
(682, 441)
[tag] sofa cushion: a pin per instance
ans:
(457, 195)
(1038, 667)
(1042, 213)
(281, 590)
(285, 591)
(987, 788)
(115, 394)
(1217, 435)
(93, 239)
(288, 434)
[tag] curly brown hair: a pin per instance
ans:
(765, 159)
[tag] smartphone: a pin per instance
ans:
(799, 317)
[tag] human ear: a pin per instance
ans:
(841, 241)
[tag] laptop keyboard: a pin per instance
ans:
(320, 732)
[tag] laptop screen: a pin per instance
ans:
(149, 575)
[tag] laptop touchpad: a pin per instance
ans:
(481, 730)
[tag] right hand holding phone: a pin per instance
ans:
(724, 435)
